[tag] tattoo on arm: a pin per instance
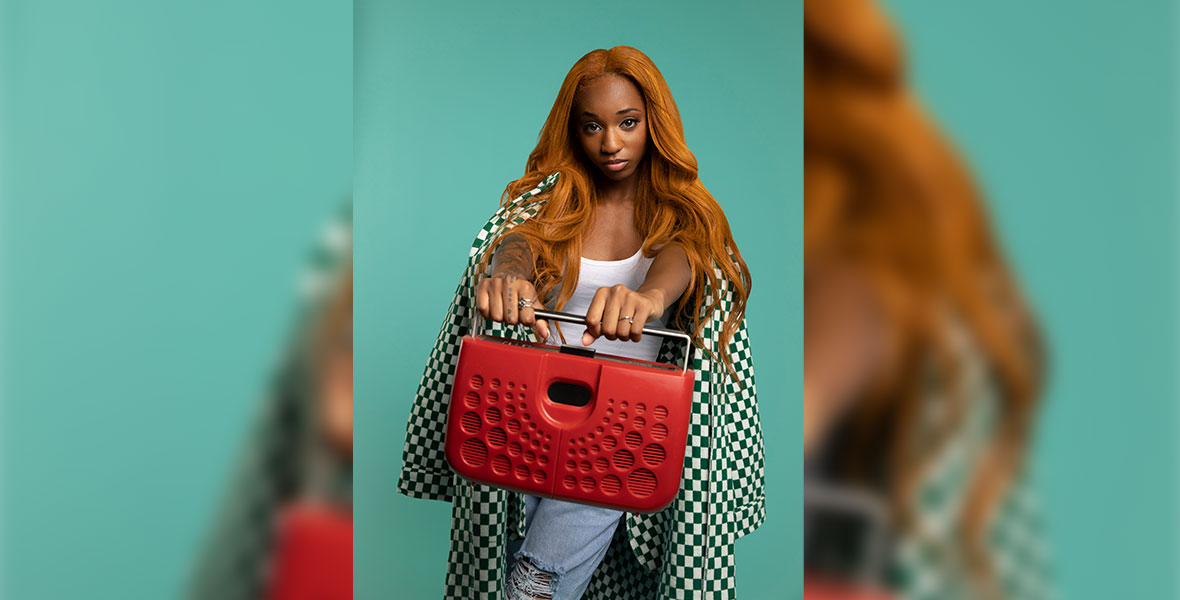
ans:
(513, 259)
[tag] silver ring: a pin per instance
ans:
(526, 302)
(627, 319)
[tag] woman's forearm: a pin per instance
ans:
(667, 278)
(513, 258)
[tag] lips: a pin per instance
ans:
(616, 165)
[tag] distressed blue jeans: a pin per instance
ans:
(563, 544)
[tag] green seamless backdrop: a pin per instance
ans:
(166, 169)
(449, 100)
(1066, 112)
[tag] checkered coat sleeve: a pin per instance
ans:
(684, 551)
(928, 563)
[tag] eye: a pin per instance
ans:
(630, 122)
(590, 127)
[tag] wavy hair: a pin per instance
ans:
(672, 206)
(886, 193)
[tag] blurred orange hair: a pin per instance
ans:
(886, 194)
(672, 205)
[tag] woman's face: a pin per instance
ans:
(610, 120)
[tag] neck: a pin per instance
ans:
(616, 192)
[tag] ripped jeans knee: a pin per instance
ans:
(527, 581)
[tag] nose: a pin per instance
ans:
(612, 142)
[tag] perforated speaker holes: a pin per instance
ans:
(624, 459)
(470, 422)
(473, 452)
(633, 439)
(641, 482)
(471, 400)
(501, 464)
(659, 431)
(660, 412)
(476, 382)
(611, 485)
(497, 438)
(522, 472)
(492, 415)
(654, 454)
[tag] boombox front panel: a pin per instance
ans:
(623, 449)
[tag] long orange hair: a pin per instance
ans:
(885, 193)
(672, 205)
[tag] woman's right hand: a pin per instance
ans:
(499, 298)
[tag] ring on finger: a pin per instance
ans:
(628, 319)
(526, 302)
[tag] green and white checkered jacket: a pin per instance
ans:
(683, 551)
(927, 563)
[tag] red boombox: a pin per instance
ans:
(564, 423)
(313, 558)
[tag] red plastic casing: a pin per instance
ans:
(313, 558)
(622, 450)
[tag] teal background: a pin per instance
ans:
(1066, 112)
(449, 101)
(166, 169)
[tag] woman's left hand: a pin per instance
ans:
(619, 313)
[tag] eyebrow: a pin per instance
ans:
(625, 110)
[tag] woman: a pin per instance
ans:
(922, 362)
(609, 220)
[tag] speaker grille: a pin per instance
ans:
(624, 460)
(654, 454)
(659, 431)
(501, 464)
(473, 452)
(492, 414)
(641, 483)
(471, 399)
(497, 438)
(611, 484)
(470, 422)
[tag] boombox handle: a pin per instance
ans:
(670, 333)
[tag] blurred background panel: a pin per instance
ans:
(166, 170)
(450, 99)
(1066, 113)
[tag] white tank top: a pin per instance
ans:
(604, 273)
